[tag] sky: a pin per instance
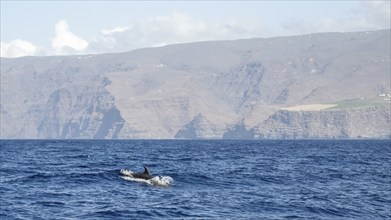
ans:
(46, 28)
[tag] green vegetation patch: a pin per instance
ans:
(361, 103)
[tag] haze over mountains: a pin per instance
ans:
(328, 85)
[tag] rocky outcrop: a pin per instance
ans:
(197, 128)
(239, 131)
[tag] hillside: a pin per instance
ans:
(226, 89)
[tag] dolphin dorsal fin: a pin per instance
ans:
(146, 171)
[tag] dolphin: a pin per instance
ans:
(144, 175)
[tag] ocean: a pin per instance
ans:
(195, 179)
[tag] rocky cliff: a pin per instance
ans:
(366, 122)
(225, 89)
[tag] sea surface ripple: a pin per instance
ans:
(81, 179)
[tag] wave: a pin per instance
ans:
(163, 181)
(60, 175)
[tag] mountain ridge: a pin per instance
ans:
(207, 87)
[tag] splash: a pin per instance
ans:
(126, 172)
(163, 181)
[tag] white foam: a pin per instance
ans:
(162, 180)
(156, 181)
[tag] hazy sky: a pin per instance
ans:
(83, 27)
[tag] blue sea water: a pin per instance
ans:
(316, 179)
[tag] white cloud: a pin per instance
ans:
(369, 15)
(376, 13)
(115, 30)
(181, 28)
(19, 48)
(170, 29)
(65, 41)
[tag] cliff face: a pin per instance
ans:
(226, 89)
(366, 122)
(50, 98)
